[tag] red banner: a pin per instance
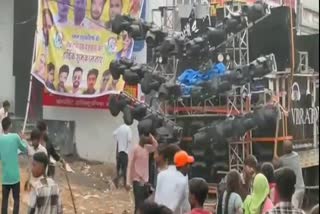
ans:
(64, 101)
(93, 103)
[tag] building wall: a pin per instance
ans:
(308, 17)
(93, 131)
(6, 51)
(311, 4)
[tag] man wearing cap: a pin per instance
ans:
(172, 184)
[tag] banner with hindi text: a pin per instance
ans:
(74, 45)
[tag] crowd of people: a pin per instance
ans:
(275, 187)
(44, 194)
(267, 188)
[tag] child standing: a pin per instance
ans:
(198, 192)
(34, 148)
(44, 197)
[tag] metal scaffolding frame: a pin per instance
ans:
(239, 48)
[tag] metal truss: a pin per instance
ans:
(187, 107)
(236, 100)
(238, 151)
(238, 48)
(168, 70)
(304, 62)
(168, 15)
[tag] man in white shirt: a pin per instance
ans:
(172, 188)
(4, 112)
(32, 149)
(123, 137)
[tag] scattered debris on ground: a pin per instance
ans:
(92, 188)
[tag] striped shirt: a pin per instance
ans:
(45, 198)
(285, 208)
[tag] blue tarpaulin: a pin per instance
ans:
(190, 77)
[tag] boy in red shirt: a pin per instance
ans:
(198, 192)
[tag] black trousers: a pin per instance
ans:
(141, 192)
(5, 198)
(51, 171)
(122, 165)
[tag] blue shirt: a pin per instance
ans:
(9, 146)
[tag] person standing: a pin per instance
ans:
(123, 137)
(138, 169)
(291, 160)
(10, 144)
(247, 175)
(232, 202)
(268, 170)
(159, 157)
(199, 190)
(286, 180)
(164, 157)
(4, 112)
(172, 185)
(45, 141)
(45, 196)
(34, 148)
(258, 202)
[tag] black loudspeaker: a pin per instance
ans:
(127, 116)
(272, 35)
(149, 83)
(135, 112)
(145, 127)
(113, 105)
(130, 77)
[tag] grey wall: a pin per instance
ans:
(7, 84)
(93, 131)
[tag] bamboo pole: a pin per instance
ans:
(292, 59)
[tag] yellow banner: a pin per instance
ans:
(74, 45)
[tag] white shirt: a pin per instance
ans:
(92, 24)
(3, 115)
(31, 151)
(173, 190)
(123, 137)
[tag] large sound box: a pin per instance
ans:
(272, 35)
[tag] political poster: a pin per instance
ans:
(74, 45)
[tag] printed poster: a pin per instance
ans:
(74, 45)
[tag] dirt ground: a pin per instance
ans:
(92, 189)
